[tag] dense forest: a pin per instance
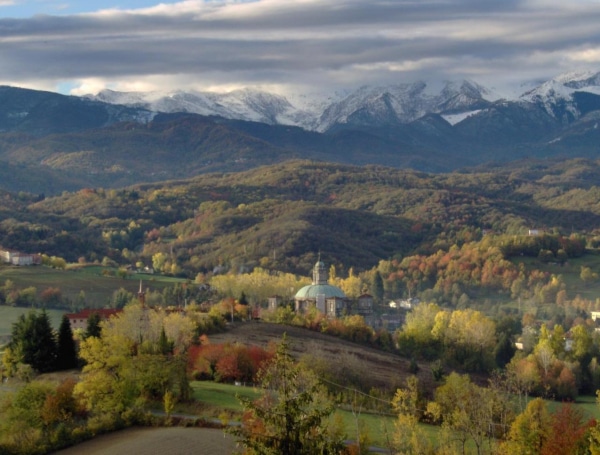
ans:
(458, 235)
(278, 217)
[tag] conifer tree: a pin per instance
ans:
(93, 328)
(291, 416)
(66, 349)
(377, 289)
(33, 339)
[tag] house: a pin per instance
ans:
(404, 304)
(79, 320)
(17, 258)
(365, 305)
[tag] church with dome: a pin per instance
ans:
(327, 298)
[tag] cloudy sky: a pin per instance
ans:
(82, 46)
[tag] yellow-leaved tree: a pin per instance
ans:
(139, 356)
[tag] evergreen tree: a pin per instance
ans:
(33, 341)
(164, 345)
(377, 290)
(93, 328)
(66, 349)
(291, 416)
(504, 351)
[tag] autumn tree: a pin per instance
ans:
(468, 412)
(140, 355)
(529, 431)
(568, 433)
(291, 415)
(409, 436)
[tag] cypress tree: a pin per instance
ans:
(377, 289)
(93, 328)
(67, 351)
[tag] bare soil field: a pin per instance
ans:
(157, 441)
(381, 369)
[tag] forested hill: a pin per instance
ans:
(280, 216)
(50, 143)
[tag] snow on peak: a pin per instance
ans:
(556, 95)
(367, 105)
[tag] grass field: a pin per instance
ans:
(380, 428)
(97, 287)
(9, 315)
(215, 397)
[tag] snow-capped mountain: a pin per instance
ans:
(368, 105)
(404, 103)
(568, 96)
(243, 104)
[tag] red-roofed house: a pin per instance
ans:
(79, 320)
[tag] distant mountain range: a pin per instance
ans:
(560, 97)
(51, 142)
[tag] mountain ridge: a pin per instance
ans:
(364, 106)
(73, 141)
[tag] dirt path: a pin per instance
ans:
(157, 441)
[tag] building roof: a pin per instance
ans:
(104, 313)
(312, 290)
(319, 285)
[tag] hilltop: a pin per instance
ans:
(376, 368)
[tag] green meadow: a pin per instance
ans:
(92, 280)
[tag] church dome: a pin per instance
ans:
(313, 290)
(319, 285)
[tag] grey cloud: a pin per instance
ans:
(285, 41)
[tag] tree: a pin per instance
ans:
(409, 436)
(568, 432)
(93, 328)
(468, 412)
(126, 365)
(377, 289)
(291, 415)
(530, 430)
(51, 297)
(120, 298)
(66, 350)
(33, 343)
(158, 261)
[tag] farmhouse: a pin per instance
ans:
(79, 320)
(18, 258)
